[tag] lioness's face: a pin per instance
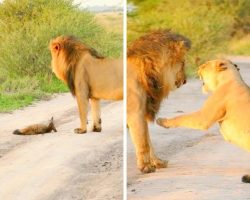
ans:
(211, 73)
(208, 76)
(180, 76)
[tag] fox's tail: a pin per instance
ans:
(17, 132)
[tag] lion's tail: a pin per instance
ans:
(17, 132)
(246, 178)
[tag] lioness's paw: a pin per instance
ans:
(245, 178)
(162, 122)
(80, 131)
(158, 163)
(97, 129)
(147, 168)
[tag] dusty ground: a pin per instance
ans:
(61, 165)
(202, 166)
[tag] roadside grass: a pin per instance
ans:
(19, 92)
(25, 32)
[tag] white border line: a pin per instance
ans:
(124, 99)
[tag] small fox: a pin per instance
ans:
(37, 129)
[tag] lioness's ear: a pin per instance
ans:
(221, 67)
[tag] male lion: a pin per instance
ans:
(229, 105)
(88, 76)
(155, 67)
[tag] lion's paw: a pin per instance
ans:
(80, 131)
(97, 129)
(158, 163)
(147, 168)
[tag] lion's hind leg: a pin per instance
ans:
(246, 178)
(96, 115)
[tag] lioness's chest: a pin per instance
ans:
(236, 133)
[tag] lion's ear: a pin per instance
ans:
(56, 46)
(221, 67)
(186, 44)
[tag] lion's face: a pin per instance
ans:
(180, 76)
(58, 62)
(54, 50)
(213, 73)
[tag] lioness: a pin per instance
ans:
(155, 67)
(88, 76)
(229, 105)
(36, 129)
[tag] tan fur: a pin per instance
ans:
(37, 129)
(88, 76)
(229, 105)
(155, 67)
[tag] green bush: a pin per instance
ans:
(208, 24)
(26, 28)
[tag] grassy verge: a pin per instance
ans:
(22, 92)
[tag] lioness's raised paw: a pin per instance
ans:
(147, 168)
(80, 131)
(246, 178)
(158, 163)
(162, 122)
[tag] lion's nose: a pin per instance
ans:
(184, 82)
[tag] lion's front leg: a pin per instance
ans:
(96, 115)
(155, 161)
(82, 102)
(138, 129)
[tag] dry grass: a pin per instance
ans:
(111, 21)
(240, 46)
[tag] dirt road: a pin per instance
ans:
(61, 165)
(202, 166)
